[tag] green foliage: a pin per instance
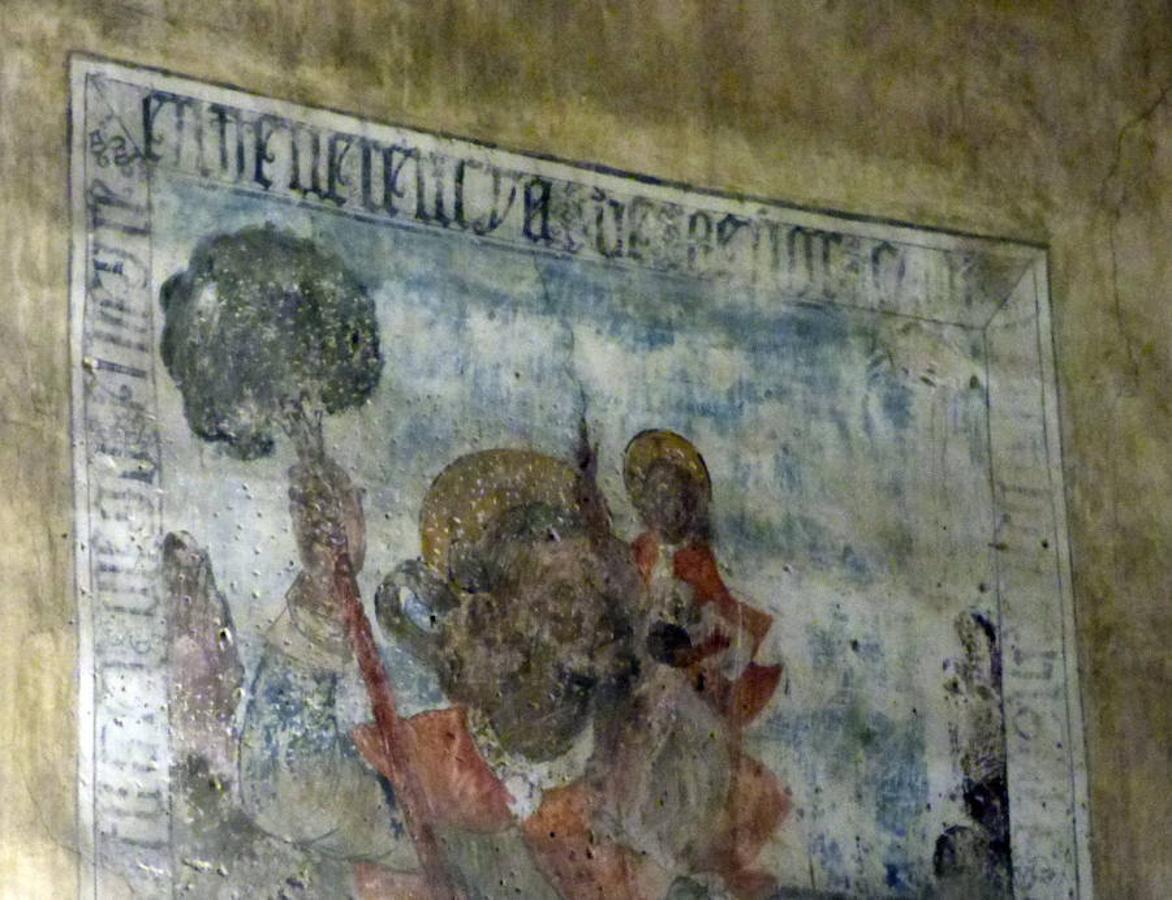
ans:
(263, 326)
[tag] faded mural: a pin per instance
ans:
(461, 524)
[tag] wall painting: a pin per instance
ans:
(454, 522)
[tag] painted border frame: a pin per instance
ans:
(1042, 698)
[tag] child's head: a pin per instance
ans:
(668, 484)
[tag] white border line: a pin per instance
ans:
(82, 588)
(1075, 736)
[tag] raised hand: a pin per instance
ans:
(206, 672)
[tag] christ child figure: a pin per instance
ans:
(702, 628)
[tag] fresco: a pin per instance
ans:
(457, 523)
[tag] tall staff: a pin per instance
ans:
(264, 334)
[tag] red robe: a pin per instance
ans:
(739, 700)
(461, 790)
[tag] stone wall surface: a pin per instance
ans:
(1046, 122)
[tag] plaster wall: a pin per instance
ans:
(1044, 122)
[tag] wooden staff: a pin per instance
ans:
(396, 747)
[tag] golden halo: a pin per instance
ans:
(652, 445)
(475, 490)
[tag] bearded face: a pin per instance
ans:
(537, 649)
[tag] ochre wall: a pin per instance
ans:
(1043, 121)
